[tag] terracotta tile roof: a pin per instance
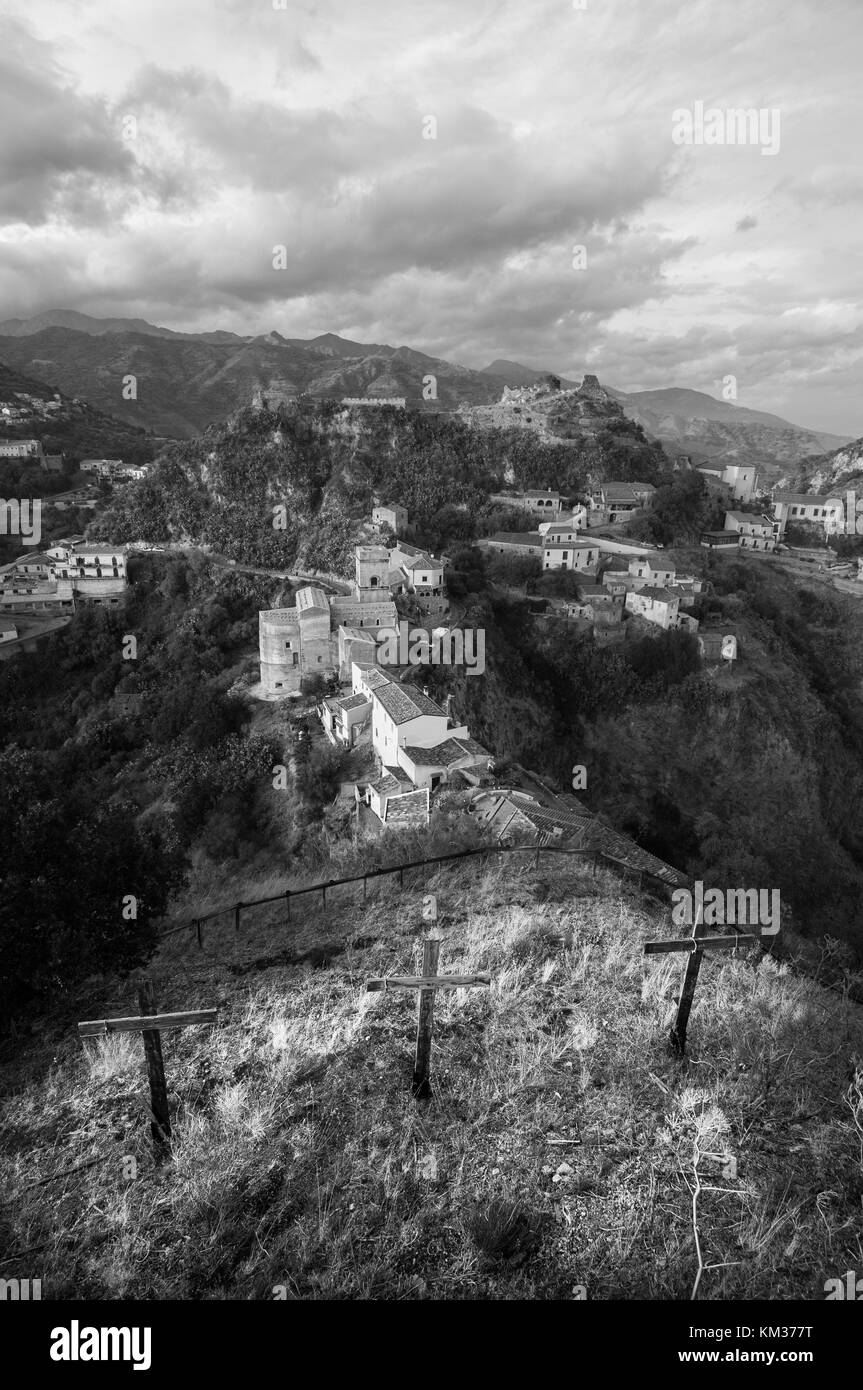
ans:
(391, 781)
(403, 703)
(807, 499)
(422, 562)
(446, 753)
(374, 678)
(660, 595)
(311, 598)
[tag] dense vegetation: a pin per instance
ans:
(324, 471)
(103, 797)
(751, 777)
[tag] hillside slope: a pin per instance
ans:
(695, 423)
(558, 1152)
(835, 471)
(72, 426)
(187, 381)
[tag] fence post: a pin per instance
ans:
(160, 1120)
(288, 902)
(199, 934)
(365, 886)
(421, 1087)
(237, 910)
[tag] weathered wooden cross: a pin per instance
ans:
(427, 983)
(150, 1024)
(696, 945)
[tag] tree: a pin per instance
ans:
(82, 884)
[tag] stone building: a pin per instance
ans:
(371, 603)
(324, 633)
(20, 449)
(356, 644)
(394, 516)
(313, 612)
(280, 650)
(658, 606)
(543, 503)
(614, 502)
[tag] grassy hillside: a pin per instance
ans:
(563, 1145)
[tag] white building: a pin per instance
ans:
(742, 479)
(419, 746)
(827, 512)
(565, 555)
(753, 532)
(20, 449)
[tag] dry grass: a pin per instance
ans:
(563, 1145)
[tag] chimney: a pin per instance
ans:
(447, 708)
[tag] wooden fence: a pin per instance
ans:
(289, 895)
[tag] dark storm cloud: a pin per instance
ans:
(59, 152)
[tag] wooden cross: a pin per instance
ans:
(151, 1025)
(695, 945)
(427, 983)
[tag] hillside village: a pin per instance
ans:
(431, 682)
(344, 669)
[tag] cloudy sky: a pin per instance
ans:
(153, 154)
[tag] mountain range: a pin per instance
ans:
(185, 381)
(31, 408)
